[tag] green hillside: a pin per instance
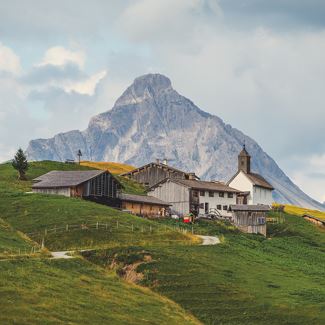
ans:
(245, 280)
(76, 292)
(70, 223)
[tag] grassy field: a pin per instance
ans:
(13, 242)
(298, 211)
(247, 279)
(41, 291)
(113, 167)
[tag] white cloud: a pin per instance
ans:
(86, 86)
(9, 60)
(60, 56)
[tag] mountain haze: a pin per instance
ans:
(151, 120)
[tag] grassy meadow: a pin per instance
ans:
(247, 279)
(299, 211)
(43, 291)
(113, 167)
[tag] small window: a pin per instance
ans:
(219, 207)
(202, 193)
(225, 207)
(221, 194)
(195, 194)
(261, 221)
(230, 195)
(201, 205)
(211, 194)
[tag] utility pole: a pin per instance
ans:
(79, 155)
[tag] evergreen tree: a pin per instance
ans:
(20, 163)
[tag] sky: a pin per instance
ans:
(257, 64)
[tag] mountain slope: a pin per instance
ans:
(152, 120)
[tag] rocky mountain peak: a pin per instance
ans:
(151, 120)
(144, 87)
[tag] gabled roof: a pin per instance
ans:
(256, 179)
(152, 164)
(57, 178)
(249, 208)
(142, 199)
(200, 185)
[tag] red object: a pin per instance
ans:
(187, 220)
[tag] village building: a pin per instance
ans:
(155, 172)
(89, 184)
(250, 218)
(254, 188)
(143, 205)
(195, 196)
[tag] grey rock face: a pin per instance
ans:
(151, 120)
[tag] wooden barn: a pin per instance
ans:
(155, 172)
(315, 220)
(90, 184)
(250, 218)
(143, 205)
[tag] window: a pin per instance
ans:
(211, 194)
(261, 221)
(201, 205)
(202, 193)
(195, 194)
(219, 207)
(230, 195)
(225, 207)
(221, 194)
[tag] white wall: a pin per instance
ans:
(65, 191)
(258, 195)
(262, 196)
(216, 200)
(242, 183)
(175, 194)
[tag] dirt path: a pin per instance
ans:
(209, 240)
(63, 254)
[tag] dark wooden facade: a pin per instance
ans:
(153, 173)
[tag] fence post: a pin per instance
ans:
(132, 226)
(45, 232)
(106, 226)
(97, 225)
(116, 224)
(67, 227)
(142, 229)
(42, 243)
(192, 230)
(150, 228)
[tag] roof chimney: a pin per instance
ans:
(192, 176)
(165, 162)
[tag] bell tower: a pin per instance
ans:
(244, 161)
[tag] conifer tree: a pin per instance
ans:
(20, 164)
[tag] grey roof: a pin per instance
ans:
(161, 165)
(57, 178)
(256, 179)
(142, 199)
(250, 208)
(201, 185)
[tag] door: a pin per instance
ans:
(206, 207)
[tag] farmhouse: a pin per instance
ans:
(254, 188)
(155, 172)
(250, 218)
(86, 184)
(194, 196)
(144, 205)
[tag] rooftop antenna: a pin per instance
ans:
(79, 154)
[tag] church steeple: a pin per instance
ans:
(244, 161)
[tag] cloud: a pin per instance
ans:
(9, 61)
(60, 56)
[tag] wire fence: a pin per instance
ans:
(110, 227)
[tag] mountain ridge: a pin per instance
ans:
(151, 120)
